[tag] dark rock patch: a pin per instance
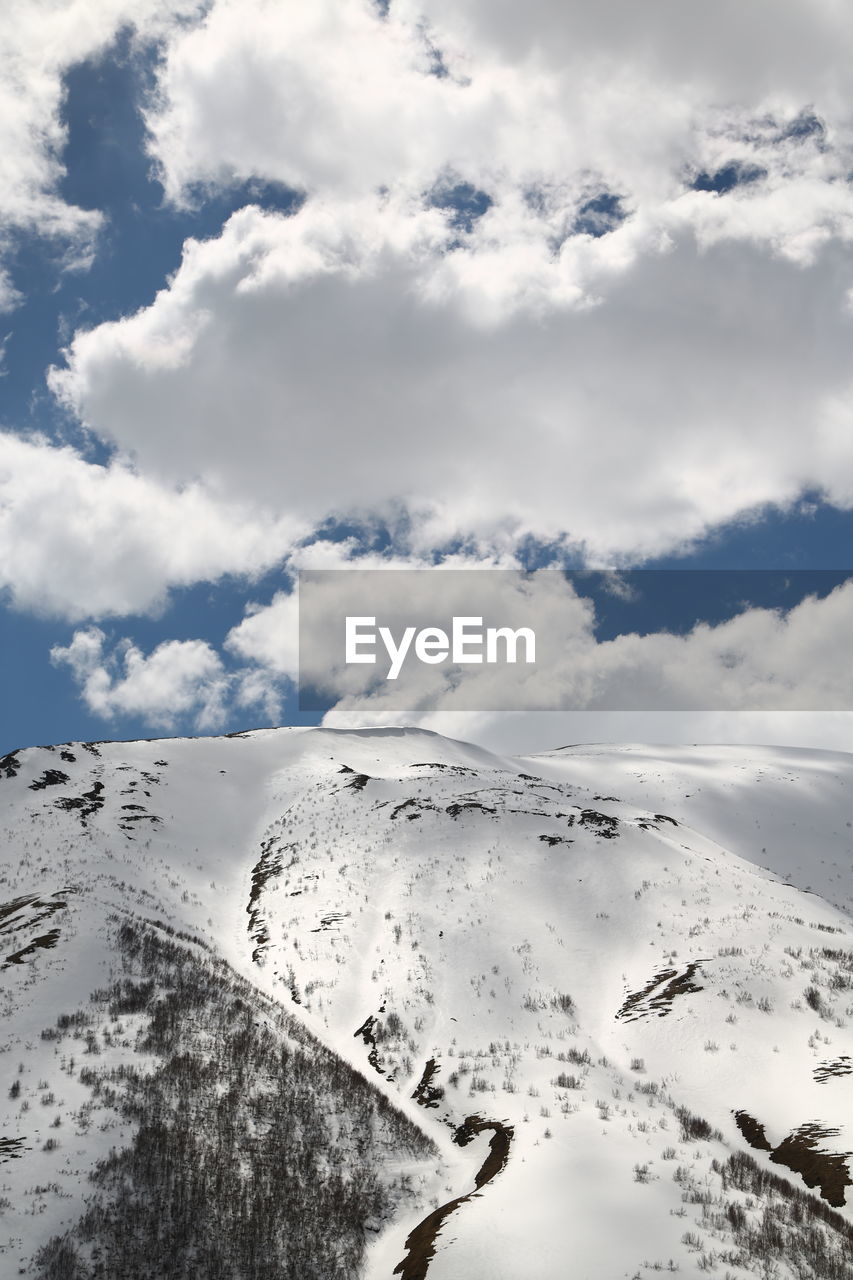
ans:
(753, 1131)
(658, 994)
(45, 941)
(800, 1153)
(602, 824)
(420, 1244)
(842, 1066)
(86, 805)
(50, 778)
(468, 806)
(426, 1093)
(9, 765)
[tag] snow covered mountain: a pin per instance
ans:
(330, 1004)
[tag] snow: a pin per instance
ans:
(465, 893)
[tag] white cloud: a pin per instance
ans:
(39, 41)
(180, 678)
(351, 105)
(725, 50)
(760, 660)
(762, 675)
(269, 635)
(179, 682)
(340, 362)
(626, 392)
(82, 540)
(541, 113)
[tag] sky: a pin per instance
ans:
(424, 286)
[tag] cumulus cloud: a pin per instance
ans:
(337, 361)
(83, 540)
(39, 41)
(179, 682)
(761, 674)
(180, 678)
(759, 660)
(582, 278)
(725, 51)
(540, 112)
(574, 271)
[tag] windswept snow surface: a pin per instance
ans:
(576, 947)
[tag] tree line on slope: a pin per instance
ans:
(258, 1151)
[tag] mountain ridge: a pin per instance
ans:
(515, 939)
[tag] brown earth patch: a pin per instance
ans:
(421, 1242)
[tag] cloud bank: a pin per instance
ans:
(578, 274)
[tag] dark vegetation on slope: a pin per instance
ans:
(258, 1153)
(767, 1223)
(793, 1227)
(696, 1129)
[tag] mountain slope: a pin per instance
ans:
(570, 974)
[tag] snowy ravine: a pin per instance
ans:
(327, 1003)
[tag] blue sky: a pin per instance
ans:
(392, 347)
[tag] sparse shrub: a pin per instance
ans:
(580, 1057)
(814, 999)
(694, 1128)
(566, 1081)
